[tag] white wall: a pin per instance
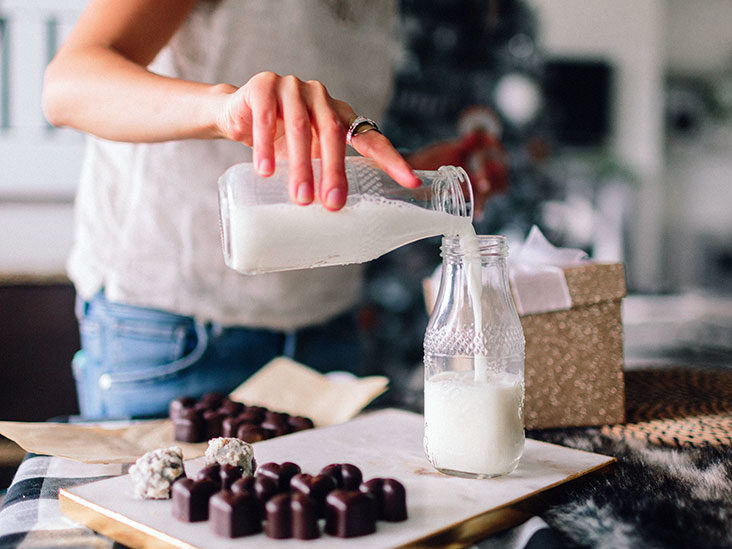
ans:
(40, 164)
(698, 36)
(630, 35)
(699, 171)
(37, 160)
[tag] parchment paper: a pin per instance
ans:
(282, 385)
(97, 443)
(288, 386)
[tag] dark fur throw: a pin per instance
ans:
(652, 497)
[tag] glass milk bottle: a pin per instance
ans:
(474, 364)
(263, 231)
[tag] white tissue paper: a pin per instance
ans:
(537, 279)
(535, 271)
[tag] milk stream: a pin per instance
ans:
(469, 244)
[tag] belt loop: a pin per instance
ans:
(201, 337)
(81, 307)
(216, 328)
(290, 344)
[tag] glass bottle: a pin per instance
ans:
(263, 230)
(474, 363)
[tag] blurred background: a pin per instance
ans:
(616, 119)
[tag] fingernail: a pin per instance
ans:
(304, 194)
(410, 175)
(264, 166)
(335, 198)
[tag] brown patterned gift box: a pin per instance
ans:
(574, 357)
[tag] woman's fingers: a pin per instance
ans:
(298, 136)
(377, 147)
(263, 104)
(272, 109)
(330, 129)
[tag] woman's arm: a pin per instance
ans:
(98, 83)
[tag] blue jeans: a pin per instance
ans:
(133, 360)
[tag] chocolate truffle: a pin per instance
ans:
(215, 415)
(277, 428)
(244, 484)
(234, 515)
(249, 432)
(190, 499)
(248, 417)
(291, 515)
(229, 474)
(212, 420)
(175, 406)
(264, 488)
(210, 472)
(254, 414)
(211, 400)
(231, 407)
(277, 417)
(231, 451)
(188, 425)
(280, 473)
(349, 513)
(316, 487)
(300, 423)
(278, 517)
(154, 472)
(390, 497)
(229, 426)
(304, 513)
(346, 475)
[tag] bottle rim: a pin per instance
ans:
(453, 192)
(489, 245)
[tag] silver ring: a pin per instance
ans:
(359, 125)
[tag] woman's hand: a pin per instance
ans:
(99, 83)
(283, 117)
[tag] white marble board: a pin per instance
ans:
(386, 443)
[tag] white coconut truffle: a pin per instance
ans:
(153, 473)
(230, 451)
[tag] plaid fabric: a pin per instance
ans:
(30, 517)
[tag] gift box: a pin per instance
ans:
(574, 356)
(570, 311)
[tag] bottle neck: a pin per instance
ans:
(487, 248)
(451, 191)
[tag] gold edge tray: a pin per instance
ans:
(464, 534)
(513, 513)
(461, 533)
(115, 525)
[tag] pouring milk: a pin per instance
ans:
(474, 390)
(473, 420)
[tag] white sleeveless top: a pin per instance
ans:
(147, 224)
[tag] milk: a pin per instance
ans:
(474, 406)
(469, 243)
(474, 426)
(275, 237)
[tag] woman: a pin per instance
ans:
(171, 93)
